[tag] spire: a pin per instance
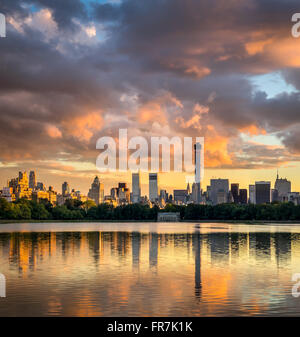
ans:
(277, 175)
(188, 189)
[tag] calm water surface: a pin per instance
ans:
(149, 269)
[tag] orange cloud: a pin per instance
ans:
(279, 51)
(156, 109)
(83, 127)
(253, 130)
(53, 131)
(256, 47)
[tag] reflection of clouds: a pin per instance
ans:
(93, 273)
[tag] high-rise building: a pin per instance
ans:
(20, 186)
(114, 192)
(8, 194)
(262, 192)
(235, 191)
(136, 189)
(96, 192)
(194, 193)
(180, 196)
(32, 180)
(163, 195)
(243, 196)
(252, 194)
(294, 197)
(197, 154)
(40, 186)
(65, 189)
(153, 187)
(219, 189)
(123, 193)
(222, 197)
(283, 186)
(274, 194)
(122, 185)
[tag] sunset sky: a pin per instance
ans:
(72, 71)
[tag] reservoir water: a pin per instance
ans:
(149, 269)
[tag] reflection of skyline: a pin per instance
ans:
(153, 249)
(28, 249)
(136, 249)
(219, 247)
(197, 250)
(188, 268)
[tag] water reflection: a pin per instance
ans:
(197, 252)
(155, 273)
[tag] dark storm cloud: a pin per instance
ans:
(179, 36)
(291, 139)
(64, 11)
(191, 50)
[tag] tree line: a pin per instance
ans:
(23, 209)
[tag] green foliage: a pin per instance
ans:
(64, 213)
(76, 210)
(124, 212)
(275, 212)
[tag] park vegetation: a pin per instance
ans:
(76, 210)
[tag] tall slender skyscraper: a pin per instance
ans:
(197, 153)
(136, 189)
(153, 187)
(32, 180)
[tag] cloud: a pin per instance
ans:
(72, 73)
(53, 131)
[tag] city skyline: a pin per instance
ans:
(76, 79)
(220, 190)
(179, 180)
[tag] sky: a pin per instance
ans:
(73, 71)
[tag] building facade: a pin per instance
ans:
(262, 192)
(235, 191)
(136, 189)
(283, 186)
(96, 192)
(153, 187)
(219, 189)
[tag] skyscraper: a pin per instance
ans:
(40, 186)
(219, 189)
(235, 191)
(252, 199)
(136, 189)
(197, 154)
(283, 186)
(153, 187)
(65, 189)
(262, 192)
(180, 196)
(32, 180)
(123, 193)
(96, 191)
(243, 196)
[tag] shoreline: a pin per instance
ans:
(246, 222)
